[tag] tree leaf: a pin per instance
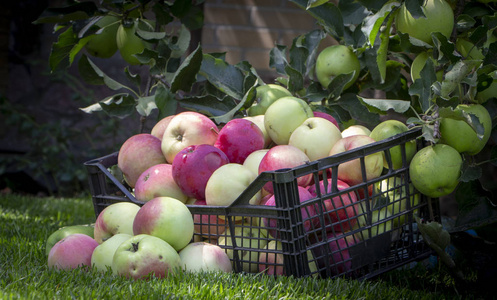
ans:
(65, 49)
(470, 172)
(328, 15)
(229, 115)
(351, 103)
(165, 101)
(474, 206)
(93, 75)
(353, 12)
(119, 105)
(277, 59)
(146, 105)
(337, 84)
(208, 104)
(223, 76)
(73, 12)
(381, 106)
(185, 76)
(422, 86)
(295, 79)
(414, 8)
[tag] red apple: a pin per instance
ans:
(186, 129)
(282, 157)
(194, 165)
(72, 252)
(158, 181)
(208, 226)
(327, 117)
(138, 153)
(205, 257)
(335, 250)
(238, 138)
(340, 210)
(160, 127)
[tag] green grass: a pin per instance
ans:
(26, 222)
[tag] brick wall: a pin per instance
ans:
(249, 29)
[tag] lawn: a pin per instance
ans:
(26, 222)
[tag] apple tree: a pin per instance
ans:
(420, 61)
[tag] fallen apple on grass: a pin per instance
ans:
(205, 257)
(101, 258)
(115, 218)
(73, 251)
(62, 232)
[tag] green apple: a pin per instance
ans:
(435, 170)
(266, 95)
(395, 190)
(104, 43)
(249, 242)
(336, 60)
(379, 224)
(461, 136)
(101, 258)
(387, 129)
(315, 137)
(61, 233)
(129, 43)
(355, 130)
(419, 62)
(254, 159)
(284, 116)
(204, 257)
(468, 49)
(271, 260)
(439, 18)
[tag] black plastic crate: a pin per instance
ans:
(307, 240)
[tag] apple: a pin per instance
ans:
(271, 260)
(186, 129)
(355, 130)
(205, 257)
(209, 226)
(399, 199)
(283, 116)
(283, 157)
(248, 243)
(166, 218)
(62, 232)
(326, 116)
(468, 50)
(227, 183)
(160, 127)
(115, 218)
(265, 96)
(341, 210)
(101, 258)
(488, 93)
(315, 137)
(439, 18)
(336, 60)
(420, 61)
(158, 181)
(435, 170)
(138, 153)
(350, 171)
(308, 213)
(387, 129)
(194, 165)
(238, 138)
(103, 43)
(259, 121)
(378, 225)
(128, 42)
(72, 252)
(143, 256)
(254, 159)
(459, 135)
(335, 250)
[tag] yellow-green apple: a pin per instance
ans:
(238, 138)
(315, 137)
(420, 61)
(259, 121)
(160, 127)
(459, 135)
(336, 60)
(308, 213)
(283, 116)
(209, 226)
(387, 129)
(379, 224)
(334, 250)
(265, 96)
(439, 17)
(128, 42)
(158, 181)
(205, 257)
(103, 43)
(227, 183)
(143, 256)
(194, 165)
(72, 252)
(355, 130)
(166, 218)
(435, 170)
(339, 211)
(101, 258)
(249, 242)
(326, 116)
(271, 260)
(186, 129)
(115, 218)
(65, 231)
(351, 171)
(400, 200)
(138, 153)
(282, 157)
(254, 159)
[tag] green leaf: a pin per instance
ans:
(93, 75)
(133, 78)
(474, 206)
(146, 105)
(470, 172)
(223, 76)
(414, 8)
(295, 79)
(65, 49)
(229, 115)
(422, 86)
(337, 84)
(165, 101)
(372, 5)
(119, 105)
(182, 43)
(373, 24)
(208, 104)
(328, 15)
(381, 106)
(352, 12)
(298, 56)
(185, 76)
(453, 78)
(73, 12)
(351, 103)
(445, 48)
(277, 59)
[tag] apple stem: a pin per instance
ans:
(135, 247)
